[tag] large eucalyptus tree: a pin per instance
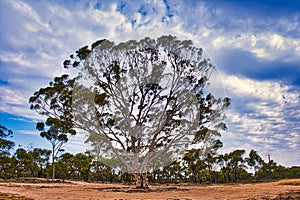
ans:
(145, 100)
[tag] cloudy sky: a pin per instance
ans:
(255, 45)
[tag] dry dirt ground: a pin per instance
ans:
(87, 191)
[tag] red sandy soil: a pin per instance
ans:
(90, 191)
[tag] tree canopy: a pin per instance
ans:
(5, 144)
(55, 102)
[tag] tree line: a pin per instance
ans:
(192, 167)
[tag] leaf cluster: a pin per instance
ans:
(5, 144)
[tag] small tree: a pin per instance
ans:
(5, 145)
(65, 166)
(194, 163)
(41, 158)
(55, 135)
(55, 102)
(82, 164)
(236, 162)
(254, 161)
(25, 164)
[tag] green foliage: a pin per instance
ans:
(24, 163)
(6, 162)
(83, 52)
(82, 165)
(254, 160)
(56, 135)
(55, 102)
(195, 166)
(5, 144)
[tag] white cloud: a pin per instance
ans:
(265, 90)
(28, 132)
(266, 45)
(276, 41)
(15, 102)
(25, 10)
(264, 116)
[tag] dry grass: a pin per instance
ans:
(290, 182)
(4, 196)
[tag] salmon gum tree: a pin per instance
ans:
(146, 102)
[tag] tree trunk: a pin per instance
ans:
(209, 174)
(141, 180)
(41, 171)
(53, 171)
(53, 164)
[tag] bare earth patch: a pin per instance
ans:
(90, 191)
